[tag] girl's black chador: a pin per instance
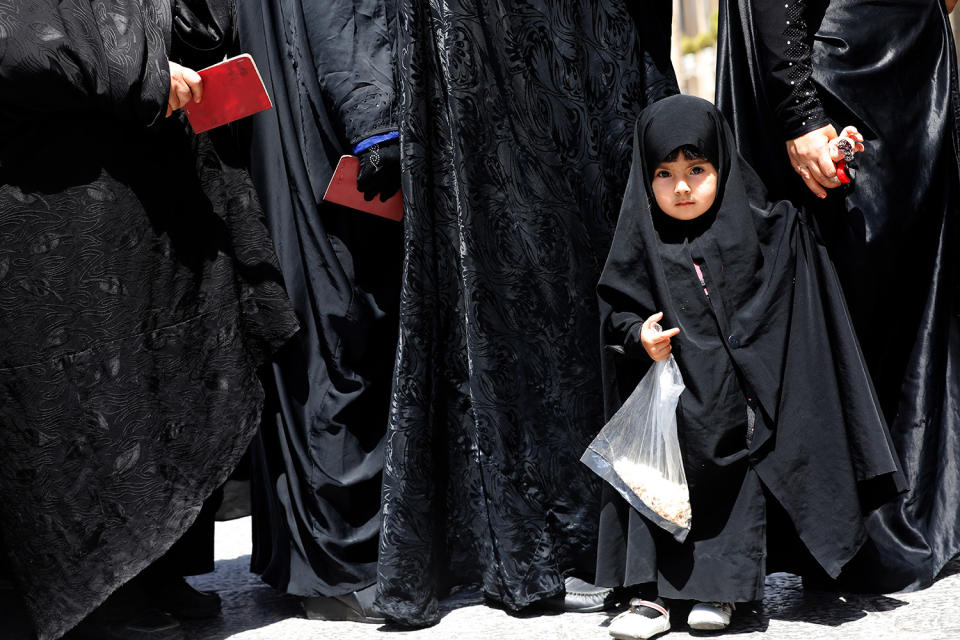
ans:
(770, 351)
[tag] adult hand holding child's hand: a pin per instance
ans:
(656, 341)
(810, 156)
(814, 156)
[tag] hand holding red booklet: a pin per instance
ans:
(343, 190)
(232, 89)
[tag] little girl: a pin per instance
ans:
(782, 441)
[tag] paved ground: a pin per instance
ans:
(253, 611)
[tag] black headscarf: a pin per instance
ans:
(650, 264)
(774, 323)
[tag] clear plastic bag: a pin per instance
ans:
(638, 452)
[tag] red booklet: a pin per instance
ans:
(232, 89)
(343, 190)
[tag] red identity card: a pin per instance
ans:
(343, 190)
(232, 89)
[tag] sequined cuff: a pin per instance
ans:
(802, 111)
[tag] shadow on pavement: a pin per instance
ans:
(787, 599)
(248, 603)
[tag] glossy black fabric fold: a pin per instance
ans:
(328, 68)
(515, 131)
(889, 69)
(139, 292)
(773, 335)
(204, 31)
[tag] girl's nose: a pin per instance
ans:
(682, 187)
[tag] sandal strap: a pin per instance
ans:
(637, 602)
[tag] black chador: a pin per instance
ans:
(139, 292)
(788, 68)
(779, 427)
(328, 67)
(515, 125)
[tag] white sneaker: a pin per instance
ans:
(632, 624)
(710, 616)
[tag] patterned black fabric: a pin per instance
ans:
(516, 122)
(138, 293)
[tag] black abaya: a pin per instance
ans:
(317, 466)
(515, 124)
(139, 292)
(889, 69)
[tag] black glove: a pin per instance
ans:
(379, 170)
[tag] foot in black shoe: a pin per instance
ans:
(354, 607)
(177, 597)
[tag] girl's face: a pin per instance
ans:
(685, 189)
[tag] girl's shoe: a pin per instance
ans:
(710, 616)
(644, 619)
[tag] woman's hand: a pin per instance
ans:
(810, 157)
(185, 85)
(951, 4)
(655, 341)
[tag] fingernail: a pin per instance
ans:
(821, 195)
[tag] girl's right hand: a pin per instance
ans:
(656, 341)
(851, 134)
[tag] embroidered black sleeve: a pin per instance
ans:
(351, 43)
(785, 47)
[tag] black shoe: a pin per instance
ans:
(176, 596)
(582, 597)
(352, 607)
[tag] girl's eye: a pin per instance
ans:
(696, 171)
(663, 173)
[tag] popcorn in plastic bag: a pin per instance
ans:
(638, 452)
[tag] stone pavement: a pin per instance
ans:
(253, 611)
